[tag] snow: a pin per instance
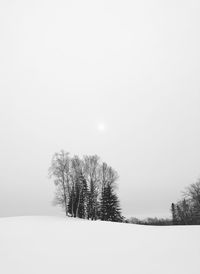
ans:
(34, 245)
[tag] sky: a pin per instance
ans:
(119, 79)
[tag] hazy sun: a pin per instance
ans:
(101, 127)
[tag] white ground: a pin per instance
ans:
(46, 245)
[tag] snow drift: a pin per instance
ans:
(34, 245)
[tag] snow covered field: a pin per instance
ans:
(40, 245)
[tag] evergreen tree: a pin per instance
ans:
(110, 208)
(92, 202)
(174, 214)
(83, 198)
(72, 205)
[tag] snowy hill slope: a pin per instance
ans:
(34, 245)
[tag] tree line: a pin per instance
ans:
(187, 210)
(85, 187)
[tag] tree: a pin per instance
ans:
(60, 171)
(77, 186)
(174, 214)
(91, 174)
(83, 198)
(192, 195)
(110, 208)
(193, 192)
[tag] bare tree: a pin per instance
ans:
(60, 171)
(193, 193)
(77, 170)
(193, 196)
(108, 176)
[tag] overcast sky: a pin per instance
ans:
(120, 79)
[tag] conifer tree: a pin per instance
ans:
(83, 198)
(110, 208)
(174, 214)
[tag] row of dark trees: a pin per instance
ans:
(187, 210)
(85, 187)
